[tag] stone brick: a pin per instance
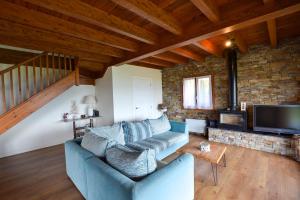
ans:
(265, 76)
(272, 144)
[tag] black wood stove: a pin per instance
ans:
(231, 117)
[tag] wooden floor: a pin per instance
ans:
(249, 174)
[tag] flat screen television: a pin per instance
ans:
(281, 119)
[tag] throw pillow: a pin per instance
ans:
(112, 133)
(95, 144)
(131, 162)
(160, 125)
(135, 131)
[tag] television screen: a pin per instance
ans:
(278, 119)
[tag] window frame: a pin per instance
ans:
(196, 83)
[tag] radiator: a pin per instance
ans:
(196, 125)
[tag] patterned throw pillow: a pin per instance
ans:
(160, 125)
(95, 144)
(112, 133)
(132, 163)
(135, 131)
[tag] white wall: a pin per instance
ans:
(123, 90)
(44, 127)
(104, 95)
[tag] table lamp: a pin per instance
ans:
(90, 100)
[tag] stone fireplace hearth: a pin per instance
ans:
(268, 143)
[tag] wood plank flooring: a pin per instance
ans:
(249, 174)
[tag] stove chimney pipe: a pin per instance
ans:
(231, 63)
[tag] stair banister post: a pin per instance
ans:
(77, 71)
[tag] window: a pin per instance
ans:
(197, 93)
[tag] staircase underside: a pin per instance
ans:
(21, 111)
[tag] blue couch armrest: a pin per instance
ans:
(104, 182)
(75, 158)
(173, 182)
(179, 127)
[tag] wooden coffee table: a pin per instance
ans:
(216, 154)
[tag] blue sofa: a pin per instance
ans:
(96, 180)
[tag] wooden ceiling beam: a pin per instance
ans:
(271, 24)
(172, 57)
(239, 41)
(200, 31)
(272, 32)
(156, 61)
(52, 47)
(137, 63)
(30, 33)
(187, 53)
(209, 47)
(11, 11)
(92, 15)
(151, 12)
(208, 8)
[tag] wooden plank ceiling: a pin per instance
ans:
(148, 33)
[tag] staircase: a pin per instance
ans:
(29, 85)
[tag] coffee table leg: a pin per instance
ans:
(214, 168)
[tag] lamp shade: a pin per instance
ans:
(89, 99)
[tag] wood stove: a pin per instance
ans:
(231, 117)
(236, 120)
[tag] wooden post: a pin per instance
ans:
(77, 75)
(53, 69)
(3, 93)
(70, 64)
(41, 75)
(27, 81)
(12, 96)
(34, 77)
(20, 84)
(65, 65)
(47, 69)
(59, 66)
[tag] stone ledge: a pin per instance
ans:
(267, 143)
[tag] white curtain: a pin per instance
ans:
(204, 92)
(189, 93)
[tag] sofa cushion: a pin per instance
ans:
(112, 133)
(131, 162)
(158, 142)
(171, 137)
(135, 131)
(149, 143)
(159, 125)
(95, 144)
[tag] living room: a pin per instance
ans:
(149, 99)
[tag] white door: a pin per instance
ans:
(142, 98)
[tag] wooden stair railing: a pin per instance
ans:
(29, 85)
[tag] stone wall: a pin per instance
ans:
(265, 76)
(272, 144)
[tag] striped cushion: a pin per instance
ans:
(135, 131)
(159, 142)
(130, 162)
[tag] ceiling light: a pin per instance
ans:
(228, 43)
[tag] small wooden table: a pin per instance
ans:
(78, 131)
(217, 152)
